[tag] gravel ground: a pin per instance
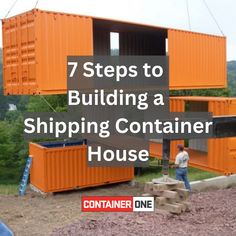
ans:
(33, 215)
(213, 213)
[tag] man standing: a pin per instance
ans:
(181, 165)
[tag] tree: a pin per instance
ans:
(6, 146)
(202, 92)
(47, 103)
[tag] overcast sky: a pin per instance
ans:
(168, 13)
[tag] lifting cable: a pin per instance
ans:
(14, 3)
(37, 1)
(213, 17)
(57, 113)
(189, 22)
(45, 100)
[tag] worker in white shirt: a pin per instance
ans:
(181, 165)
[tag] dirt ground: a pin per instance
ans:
(213, 213)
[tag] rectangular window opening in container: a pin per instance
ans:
(166, 44)
(114, 43)
(197, 148)
(196, 106)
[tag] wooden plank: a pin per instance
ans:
(157, 193)
(170, 194)
(160, 187)
(160, 201)
(173, 200)
(148, 187)
(172, 208)
(180, 185)
(183, 206)
(183, 193)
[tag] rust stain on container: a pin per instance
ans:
(60, 168)
(217, 155)
(36, 44)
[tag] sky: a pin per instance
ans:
(167, 13)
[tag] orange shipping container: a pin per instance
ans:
(57, 167)
(217, 155)
(196, 60)
(36, 44)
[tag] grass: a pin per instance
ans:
(7, 189)
(154, 171)
(10, 175)
(9, 179)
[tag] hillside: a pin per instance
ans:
(231, 66)
(0, 67)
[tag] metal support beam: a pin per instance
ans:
(224, 126)
(165, 156)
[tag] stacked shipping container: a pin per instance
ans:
(217, 155)
(56, 167)
(36, 45)
(35, 49)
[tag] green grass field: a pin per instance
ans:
(10, 175)
(7, 189)
(9, 179)
(152, 172)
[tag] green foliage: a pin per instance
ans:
(6, 146)
(231, 76)
(46, 103)
(1, 55)
(12, 145)
(0, 66)
(10, 175)
(202, 92)
(3, 105)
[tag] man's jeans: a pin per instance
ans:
(182, 175)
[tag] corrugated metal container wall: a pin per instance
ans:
(36, 43)
(196, 60)
(57, 169)
(221, 154)
(142, 44)
(35, 49)
(221, 150)
(155, 146)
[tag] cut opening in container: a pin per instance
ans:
(58, 144)
(130, 39)
(197, 148)
(114, 44)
